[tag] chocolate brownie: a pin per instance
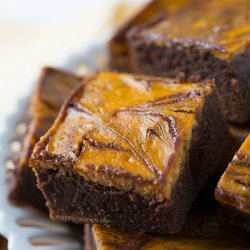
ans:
(52, 89)
(233, 189)
(201, 232)
(131, 152)
(205, 39)
(118, 47)
(205, 202)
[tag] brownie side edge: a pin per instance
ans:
(160, 56)
(70, 197)
(209, 142)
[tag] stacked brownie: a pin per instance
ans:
(201, 232)
(205, 39)
(137, 156)
(51, 90)
(124, 144)
(233, 190)
(120, 58)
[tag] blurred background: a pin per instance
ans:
(38, 33)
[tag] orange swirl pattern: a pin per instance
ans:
(129, 125)
(221, 25)
(234, 186)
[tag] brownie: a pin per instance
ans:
(205, 202)
(201, 232)
(52, 88)
(131, 152)
(233, 189)
(118, 47)
(204, 39)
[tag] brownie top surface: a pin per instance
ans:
(204, 231)
(234, 186)
(149, 11)
(221, 26)
(52, 89)
(127, 126)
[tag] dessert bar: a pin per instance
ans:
(53, 87)
(131, 152)
(201, 232)
(204, 39)
(118, 47)
(233, 189)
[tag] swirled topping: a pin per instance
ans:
(222, 26)
(119, 124)
(199, 232)
(234, 186)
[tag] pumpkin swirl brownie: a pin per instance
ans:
(52, 88)
(130, 152)
(118, 47)
(233, 189)
(204, 39)
(200, 232)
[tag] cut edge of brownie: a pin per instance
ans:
(23, 188)
(160, 56)
(70, 197)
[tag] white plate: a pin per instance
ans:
(28, 229)
(27, 44)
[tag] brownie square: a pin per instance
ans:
(233, 189)
(201, 232)
(51, 90)
(205, 39)
(131, 152)
(118, 48)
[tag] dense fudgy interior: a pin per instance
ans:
(84, 201)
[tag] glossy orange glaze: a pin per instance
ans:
(129, 125)
(201, 232)
(223, 26)
(234, 186)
